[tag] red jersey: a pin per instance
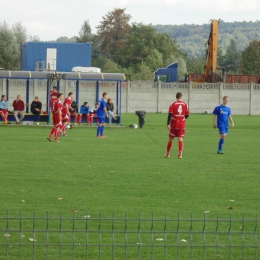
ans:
(53, 96)
(179, 111)
(56, 106)
(68, 102)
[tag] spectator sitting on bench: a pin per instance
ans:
(110, 110)
(36, 108)
(84, 110)
(18, 105)
(73, 108)
(93, 113)
(4, 109)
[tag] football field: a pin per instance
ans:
(127, 173)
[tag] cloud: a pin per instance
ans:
(51, 19)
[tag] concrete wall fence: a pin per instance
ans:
(150, 96)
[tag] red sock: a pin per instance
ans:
(63, 129)
(3, 117)
(80, 118)
(76, 118)
(181, 147)
(57, 134)
(169, 147)
(53, 131)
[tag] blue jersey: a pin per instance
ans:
(223, 113)
(102, 103)
(84, 110)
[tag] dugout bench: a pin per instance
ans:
(28, 117)
(45, 117)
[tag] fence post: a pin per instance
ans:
(251, 98)
(220, 92)
(66, 87)
(159, 85)
(3, 86)
(128, 95)
(189, 93)
(35, 83)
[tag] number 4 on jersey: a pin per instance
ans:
(180, 109)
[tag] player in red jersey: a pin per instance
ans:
(53, 95)
(66, 112)
(178, 113)
(56, 117)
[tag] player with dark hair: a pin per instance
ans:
(53, 95)
(101, 115)
(56, 117)
(66, 112)
(176, 123)
(223, 114)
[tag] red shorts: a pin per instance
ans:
(177, 133)
(56, 120)
(3, 111)
(65, 118)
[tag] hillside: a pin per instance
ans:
(192, 37)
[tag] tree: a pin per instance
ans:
(250, 58)
(232, 57)
(106, 65)
(34, 38)
(20, 33)
(154, 60)
(196, 65)
(112, 32)
(63, 39)
(20, 36)
(9, 48)
(85, 33)
(138, 45)
(143, 73)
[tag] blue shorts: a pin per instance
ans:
(223, 130)
(101, 120)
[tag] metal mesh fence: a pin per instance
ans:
(88, 237)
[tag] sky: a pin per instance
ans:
(50, 19)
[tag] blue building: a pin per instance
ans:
(54, 56)
(169, 74)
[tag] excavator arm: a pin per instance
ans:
(210, 74)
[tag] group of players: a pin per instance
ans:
(176, 123)
(61, 114)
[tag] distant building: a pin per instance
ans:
(54, 56)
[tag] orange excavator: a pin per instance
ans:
(212, 73)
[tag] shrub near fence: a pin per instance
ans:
(89, 237)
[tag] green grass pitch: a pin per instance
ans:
(127, 172)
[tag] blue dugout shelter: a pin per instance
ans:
(75, 76)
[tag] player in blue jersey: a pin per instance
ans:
(101, 115)
(223, 114)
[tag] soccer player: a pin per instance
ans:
(53, 95)
(101, 115)
(57, 118)
(223, 114)
(66, 112)
(178, 113)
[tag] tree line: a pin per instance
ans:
(135, 49)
